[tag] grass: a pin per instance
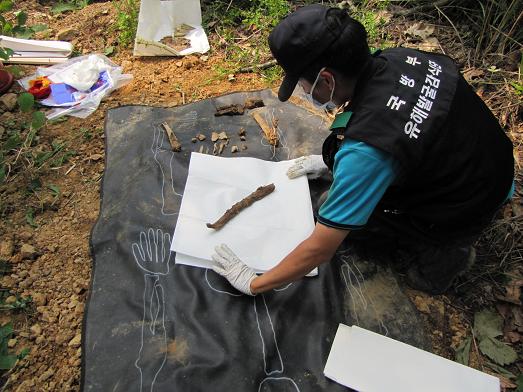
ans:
(126, 21)
(491, 28)
(241, 29)
(69, 5)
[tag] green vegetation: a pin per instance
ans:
(7, 360)
(16, 28)
(372, 15)
(242, 28)
(69, 5)
(127, 21)
(492, 28)
(20, 136)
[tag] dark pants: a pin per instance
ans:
(432, 257)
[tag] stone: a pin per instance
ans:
(39, 339)
(27, 282)
(62, 338)
(9, 101)
(7, 248)
(25, 386)
(76, 341)
(46, 375)
(200, 137)
(28, 252)
(194, 140)
(422, 304)
(49, 317)
(66, 34)
(25, 235)
(72, 304)
(36, 329)
(10, 300)
(96, 157)
(7, 116)
(39, 299)
(214, 136)
(11, 343)
(234, 149)
(126, 64)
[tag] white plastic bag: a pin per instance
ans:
(94, 76)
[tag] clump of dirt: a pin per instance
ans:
(178, 350)
(177, 43)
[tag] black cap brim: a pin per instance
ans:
(287, 87)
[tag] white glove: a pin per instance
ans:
(233, 269)
(311, 165)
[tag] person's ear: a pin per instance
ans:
(328, 78)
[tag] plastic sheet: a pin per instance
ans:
(152, 325)
(85, 81)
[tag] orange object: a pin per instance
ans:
(40, 87)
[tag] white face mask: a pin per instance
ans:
(329, 105)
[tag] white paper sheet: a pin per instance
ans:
(32, 45)
(369, 362)
(262, 234)
(31, 51)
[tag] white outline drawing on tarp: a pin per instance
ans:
(263, 317)
(164, 158)
(152, 254)
(353, 279)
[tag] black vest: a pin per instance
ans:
(457, 164)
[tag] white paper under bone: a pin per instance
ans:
(262, 234)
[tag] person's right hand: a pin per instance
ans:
(311, 165)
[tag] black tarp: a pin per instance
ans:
(153, 325)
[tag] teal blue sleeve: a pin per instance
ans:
(512, 191)
(361, 174)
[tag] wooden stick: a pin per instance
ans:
(173, 140)
(257, 67)
(270, 132)
(258, 194)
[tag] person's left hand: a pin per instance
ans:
(233, 269)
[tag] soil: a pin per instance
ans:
(51, 262)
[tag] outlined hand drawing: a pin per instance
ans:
(153, 348)
(273, 366)
(171, 199)
(152, 255)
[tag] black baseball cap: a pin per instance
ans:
(300, 39)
